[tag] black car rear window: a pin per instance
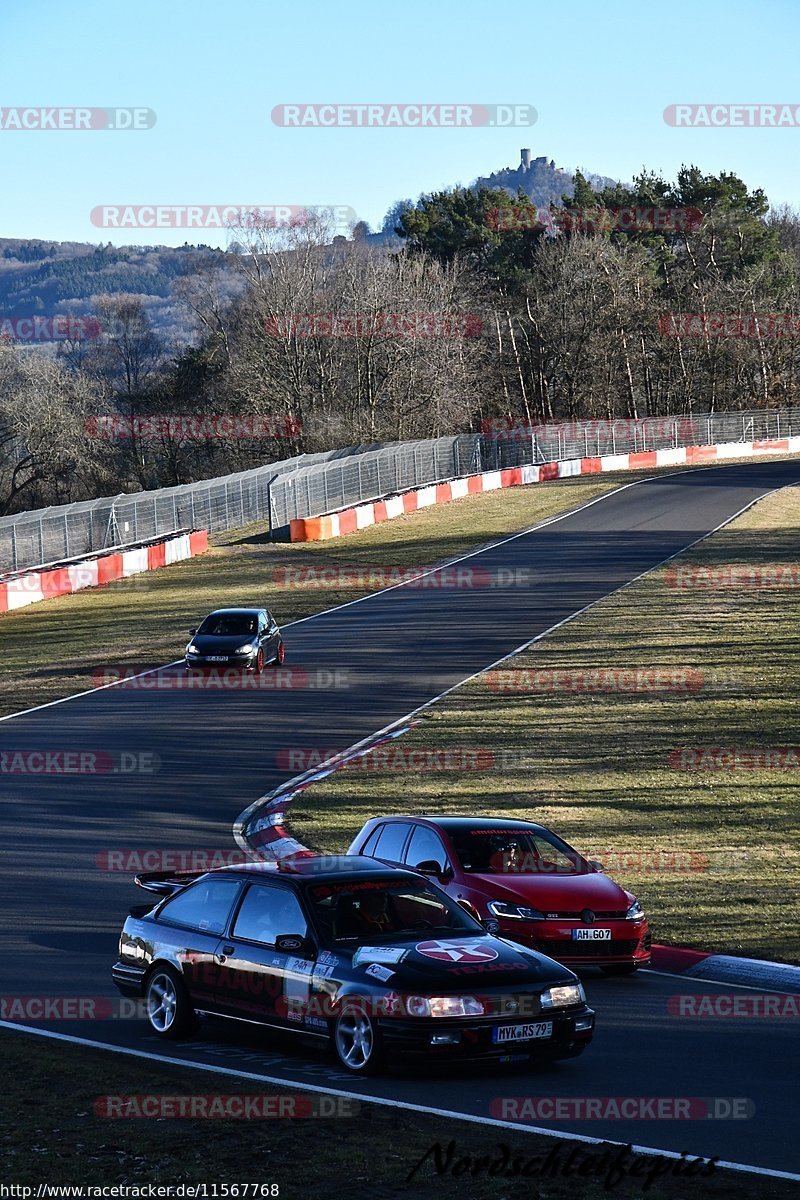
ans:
(232, 625)
(205, 905)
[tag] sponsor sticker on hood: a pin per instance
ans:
(461, 950)
(379, 972)
(379, 954)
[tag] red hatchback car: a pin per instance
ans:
(543, 893)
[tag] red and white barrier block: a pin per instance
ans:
(97, 571)
(348, 520)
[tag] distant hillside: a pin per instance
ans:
(46, 278)
(60, 278)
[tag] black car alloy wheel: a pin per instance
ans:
(169, 1010)
(357, 1041)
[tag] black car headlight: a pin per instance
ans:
(564, 995)
(248, 649)
(516, 912)
(445, 1006)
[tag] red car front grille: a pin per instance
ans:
(576, 916)
(570, 949)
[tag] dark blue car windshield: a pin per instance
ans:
(230, 626)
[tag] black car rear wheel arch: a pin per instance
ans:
(168, 1006)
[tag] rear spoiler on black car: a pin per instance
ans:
(166, 883)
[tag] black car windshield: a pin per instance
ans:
(515, 852)
(228, 625)
(376, 909)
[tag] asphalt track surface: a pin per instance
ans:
(219, 751)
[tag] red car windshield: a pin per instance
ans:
(515, 852)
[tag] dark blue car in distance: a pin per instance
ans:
(236, 637)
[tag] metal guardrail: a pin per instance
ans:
(30, 539)
(309, 491)
(318, 483)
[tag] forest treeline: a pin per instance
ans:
(482, 307)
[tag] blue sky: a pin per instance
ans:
(598, 74)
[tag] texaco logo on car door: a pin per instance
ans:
(457, 952)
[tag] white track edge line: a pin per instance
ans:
(750, 987)
(385, 1102)
(23, 712)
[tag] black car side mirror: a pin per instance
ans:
(295, 943)
(192, 632)
(490, 925)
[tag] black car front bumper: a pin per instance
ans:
(220, 661)
(465, 1039)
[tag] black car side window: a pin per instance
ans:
(205, 905)
(267, 912)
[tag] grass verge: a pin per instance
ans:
(708, 843)
(52, 1134)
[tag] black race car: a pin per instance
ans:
(236, 637)
(376, 960)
